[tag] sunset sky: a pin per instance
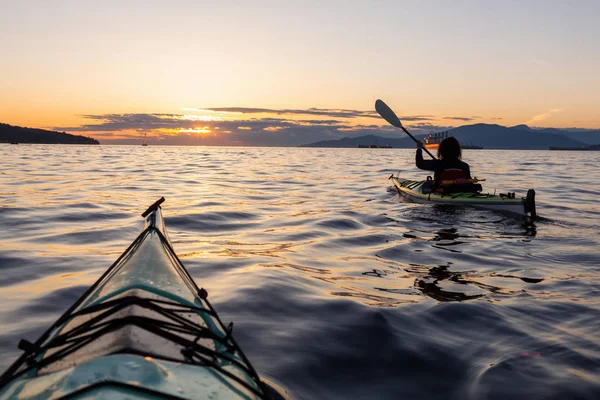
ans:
(291, 72)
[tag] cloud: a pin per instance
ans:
(334, 113)
(325, 112)
(417, 118)
(249, 126)
(544, 116)
(139, 122)
(459, 118)
(176, 129)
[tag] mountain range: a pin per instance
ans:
(490, 136)
(17, 134)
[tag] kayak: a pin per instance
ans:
(143, 330)
(412, 191)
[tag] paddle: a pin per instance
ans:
(391, 117)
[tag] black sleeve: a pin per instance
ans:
(429, 165)
(467, 170)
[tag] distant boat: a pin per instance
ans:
(14, 142)
(566, 148)
(593, 147)
(432, 142)
(145, 141)
(375, 146)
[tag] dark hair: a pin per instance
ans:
(450, 149)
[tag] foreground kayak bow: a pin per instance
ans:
(143, 330)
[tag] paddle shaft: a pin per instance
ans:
(416, 141)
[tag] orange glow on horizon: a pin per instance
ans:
(195, 130)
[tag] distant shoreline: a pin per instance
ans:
(20, 135)
(60, 144)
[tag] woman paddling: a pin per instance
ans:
(449, 166)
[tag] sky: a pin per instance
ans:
(292, 72)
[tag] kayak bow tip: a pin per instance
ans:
(153, 207)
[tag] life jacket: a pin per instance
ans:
(454, 180)
(451, 176)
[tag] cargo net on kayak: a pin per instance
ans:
(143, 323)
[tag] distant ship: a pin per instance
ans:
(432, 142)
(374, 146)
(593, 147)
(145, 141)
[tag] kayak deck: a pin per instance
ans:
(412, 190)
(144, 329)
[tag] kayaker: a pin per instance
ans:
(449, 164)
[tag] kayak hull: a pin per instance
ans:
(412, 191)
(122, 376)
(143, 330)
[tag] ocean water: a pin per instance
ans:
(338, 289)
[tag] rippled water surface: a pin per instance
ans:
(338, 289)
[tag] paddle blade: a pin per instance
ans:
(387, 113)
